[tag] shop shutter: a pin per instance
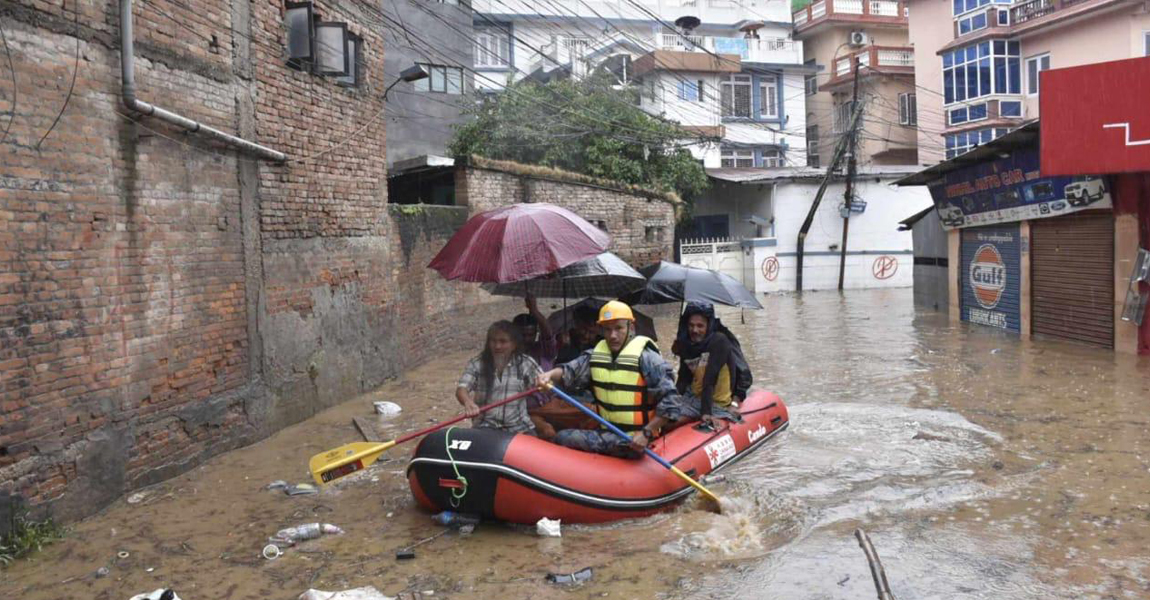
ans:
(991, 276)
(1072, 278)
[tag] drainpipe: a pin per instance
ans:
(127, 65)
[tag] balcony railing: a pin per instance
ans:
(1028, 11)
(890, 58)
(862, 10)
(770, 49)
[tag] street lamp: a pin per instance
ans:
(413, 73)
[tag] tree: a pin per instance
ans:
(586, 126)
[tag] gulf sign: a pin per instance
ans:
(1095, 118)
(987, 276)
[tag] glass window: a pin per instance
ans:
(735, 96)
(689, 91)
(1034, 66)
(976, 112)
(1010, 109)
(441, 79)
(739, 158)
(907, 109)
(771, 158)
(958, 116)
(492, 47)
(981, 70)
(1146, 43)
(842, 116)
(959, 143)
(768, 98)
(1003, 18)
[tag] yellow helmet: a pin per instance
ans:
(615, 310)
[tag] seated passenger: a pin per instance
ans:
(583, 336)
(501, 370)
(538, 340)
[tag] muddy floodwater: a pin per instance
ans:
(982, 466)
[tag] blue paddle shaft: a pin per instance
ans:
(606, 423)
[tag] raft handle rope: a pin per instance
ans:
(457, 494)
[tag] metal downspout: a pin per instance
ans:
(128, 77)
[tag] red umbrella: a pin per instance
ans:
(518, 242)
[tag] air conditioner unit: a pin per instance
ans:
(857, 38)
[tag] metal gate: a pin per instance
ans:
(991, 276)
(1072, 278)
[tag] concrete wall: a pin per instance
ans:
(931, 286)
(421, 123)
(873, 235)
(738, 202)
(931, 27)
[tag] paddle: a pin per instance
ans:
(347, 459)
(617, 431)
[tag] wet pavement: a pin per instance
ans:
(982, 466)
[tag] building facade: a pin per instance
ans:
(727, 71)
(867, 40)
(978, 62)
(438, 37)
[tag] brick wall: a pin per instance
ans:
(164, 298)
(641, 224)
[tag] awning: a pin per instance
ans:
(907, 223)
(1023, 137)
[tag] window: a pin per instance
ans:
(843, 116)
(735, 96)
(959, 143)
(965, 6)
(813, 146)
(976, 112)
(492, 47)
(1010, 109)
(972, 23)
(1146, 43)
(1004, 17)
(768, 98)
(691, 91)
(908, 109)
(771, 157)
(739, 158)
(957, 116)
(354, 51)
(653, 234)
(1034, 66)
(811, 82)
(441, 79)
(980, 70)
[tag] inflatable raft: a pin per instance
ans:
(520, 478)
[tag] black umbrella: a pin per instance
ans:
(671, 282)
(644, 325)
(604, 276)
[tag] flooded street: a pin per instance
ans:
(982, 466)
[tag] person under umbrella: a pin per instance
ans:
(708, 370)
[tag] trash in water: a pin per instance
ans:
(548, 528)
(160, 594)
(122, 554)
(996, 351)
(278, 484)
(363, 593)
(466, 529)
(301, 489)
(102, 572)
(580, 576)
(408, 553)
(272, 552)
(449, 518)
(301, 533)
(386, 408)
(137, 497)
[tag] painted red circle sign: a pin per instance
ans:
(771, 268)
(987, 276)
(884, 267)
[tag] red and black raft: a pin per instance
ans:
(520, 478)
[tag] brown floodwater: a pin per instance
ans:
(982, 466)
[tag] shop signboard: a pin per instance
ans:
(992, 276)
(1010, 189)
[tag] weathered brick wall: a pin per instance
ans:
(641, 226)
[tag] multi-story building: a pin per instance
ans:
(868, 40)
(977, 62)
(727, 71)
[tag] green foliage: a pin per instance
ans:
(586, 127)
(797, 5)
(28, 536)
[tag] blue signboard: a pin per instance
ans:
(1010, 189)
(991, 276)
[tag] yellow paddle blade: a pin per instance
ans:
(698, 486)
(347, 459)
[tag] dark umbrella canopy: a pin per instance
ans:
(671, 282)
(559, 319)
(518, 242)
(605, 276)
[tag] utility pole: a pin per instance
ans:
(852, 167)
(840, 150)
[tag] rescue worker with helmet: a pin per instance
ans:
(628, 379)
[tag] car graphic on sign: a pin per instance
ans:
(951, 216)
(1084, 192)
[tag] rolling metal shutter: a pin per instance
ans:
(1072, 278)
(991, 276)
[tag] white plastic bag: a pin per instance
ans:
(548, 528)
(385, 408)
(363, 593)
